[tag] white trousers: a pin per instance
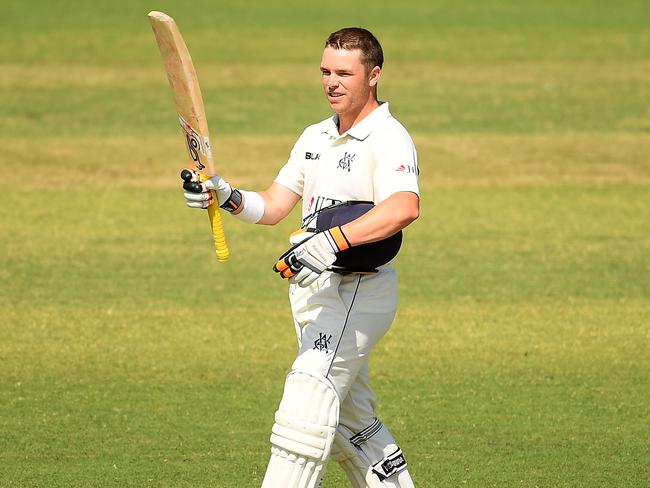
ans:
(338, 321)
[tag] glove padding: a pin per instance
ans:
(199, 191)
(313, 253)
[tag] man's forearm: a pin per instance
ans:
(278, 203)
(386, 219)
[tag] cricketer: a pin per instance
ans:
(342, 283)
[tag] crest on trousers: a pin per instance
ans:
(323, 342)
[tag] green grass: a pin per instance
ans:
(443, 107)
(520, 352)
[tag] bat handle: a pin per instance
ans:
(218, 235)
(220, 246)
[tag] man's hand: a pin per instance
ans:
(199, 193)
(303, 263)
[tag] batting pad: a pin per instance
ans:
(348, 458)
(303, 433)
(370, 458)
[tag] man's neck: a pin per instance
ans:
(347, 121)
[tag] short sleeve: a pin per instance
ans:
(396, 166)
(292, 174)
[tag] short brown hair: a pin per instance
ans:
(351, 38)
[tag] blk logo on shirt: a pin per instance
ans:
(312, 156)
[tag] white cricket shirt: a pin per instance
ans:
(369, 162)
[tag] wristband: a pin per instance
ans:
(253, 206)
(337, 239)
(233, 202)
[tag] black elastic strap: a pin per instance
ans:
(233, 202)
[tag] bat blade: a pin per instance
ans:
(190, 109)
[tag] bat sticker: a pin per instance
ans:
(196, 145)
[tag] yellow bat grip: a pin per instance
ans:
(218, 234)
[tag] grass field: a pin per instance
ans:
(520, 354)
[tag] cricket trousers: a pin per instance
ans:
(338, 320)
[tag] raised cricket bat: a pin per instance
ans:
(191, 111)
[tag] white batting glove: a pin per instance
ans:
(199, 191)
(301, 235)
(304, 263)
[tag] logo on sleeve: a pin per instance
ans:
(408, 169)
(345, 162)
(312, 156)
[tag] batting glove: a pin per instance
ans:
(303, 263)
(199, 191)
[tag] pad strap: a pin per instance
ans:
(366, 433)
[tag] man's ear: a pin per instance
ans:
(374, 75)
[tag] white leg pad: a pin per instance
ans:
(348, 458)
(371, 458)
(303, 433)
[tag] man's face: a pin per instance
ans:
(346, 83)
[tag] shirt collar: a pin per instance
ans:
(363, 128)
